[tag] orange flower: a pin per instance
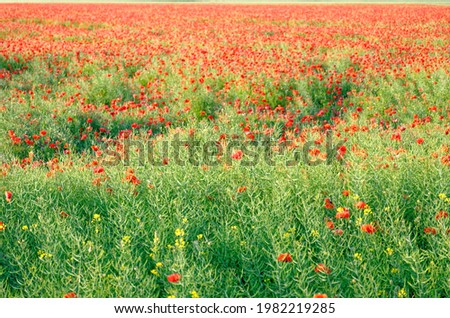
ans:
(345, 193)
(330, 225)
(368, 228)
(338, 232)
(2, 226)
(70, 295)
(130, 177)
(242, 189)
(445, 160)
(321, 268)
(441, 214)
(63, 214)
(8, 195)
(320, 296)
(97, 182)
(174, 278)
(430, 230)
(285, 258)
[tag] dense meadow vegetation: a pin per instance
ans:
(224, 150)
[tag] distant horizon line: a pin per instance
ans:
(238, 2)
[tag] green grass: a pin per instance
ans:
(241, 234)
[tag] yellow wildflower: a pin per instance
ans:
(179, 232)
(180, 243)
(43, 255)
(194, 294)
(154, 272)
(402, 293)
(126, 240)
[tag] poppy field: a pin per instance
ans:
(207, 150)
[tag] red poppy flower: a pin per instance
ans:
(338, 232)
(99, 170)
(345, 193)
(328, 204)
(285, 258)
(330, 225)
(341, 152)
(430, 230)
(130, 177)
(320, 296)
(368, 228)
(343, 213)
(70, 295)
(8, 195)
(321, 268)
(237, 155)
(396, 136)
(174, 278)
(420, 141)
(441, 214)
(361, 205)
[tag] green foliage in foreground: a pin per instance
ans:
(121, 240)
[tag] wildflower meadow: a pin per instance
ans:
(224, 150)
